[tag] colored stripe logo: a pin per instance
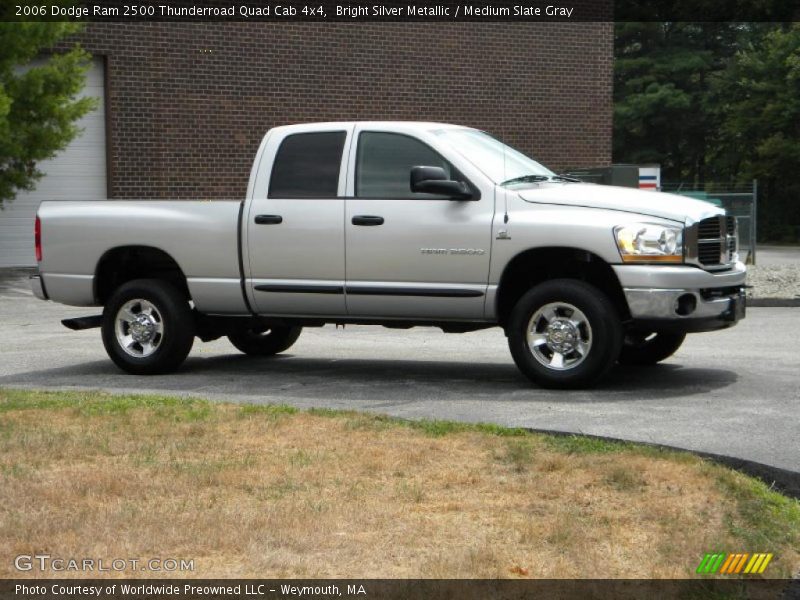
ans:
(648, 181)
(733, 564)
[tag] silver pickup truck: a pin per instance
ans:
(398, 224)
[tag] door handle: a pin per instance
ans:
(367, 220)
(269, 219)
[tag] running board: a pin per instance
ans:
(80, 323)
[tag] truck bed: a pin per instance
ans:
(201, 236)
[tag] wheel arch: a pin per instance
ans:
(536, 265)
(125, 263)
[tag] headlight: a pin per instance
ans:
(648, 242)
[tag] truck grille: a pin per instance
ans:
(708, 229)
(716, 241)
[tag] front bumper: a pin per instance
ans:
(683, 298)
(37, 285)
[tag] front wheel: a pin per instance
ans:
(564, 333)
(148, 327)
(644, 348)
(264, 341)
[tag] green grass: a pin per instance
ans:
(13, 470)
(285, 487)
(100, 403)
(300, 458)
(272, 411)
(624, 480)
(518, 453)
(410, 491)
(433, 428)
(204, 469)
(764, 518)
(574, 444)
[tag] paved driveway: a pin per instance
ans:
(734, 392)
(777, 256)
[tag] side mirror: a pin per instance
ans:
(433, 180)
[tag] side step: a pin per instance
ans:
(80, 323)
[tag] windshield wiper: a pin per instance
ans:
(566, 178)
(526, 179)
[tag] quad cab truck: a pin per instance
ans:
(398, 224)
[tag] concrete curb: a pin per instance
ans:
(785, 481)
(773, 302)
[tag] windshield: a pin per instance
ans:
(499, 162)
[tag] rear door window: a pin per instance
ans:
(307, 165)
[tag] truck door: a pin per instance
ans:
(412, 255)
(295, 223)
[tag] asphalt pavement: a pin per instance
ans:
(734, 392)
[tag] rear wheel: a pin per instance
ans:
(648, 348)
(147, 327)
(264, 341)
(564, 333)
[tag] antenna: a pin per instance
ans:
(505, 170)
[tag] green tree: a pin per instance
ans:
(759, 106)
(38, 105)
(662, 78)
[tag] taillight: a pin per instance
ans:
(37, 239)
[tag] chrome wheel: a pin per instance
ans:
(559, 336)
(139, 328)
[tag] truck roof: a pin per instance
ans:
(419, 125)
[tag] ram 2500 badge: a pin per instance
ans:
(398, 224)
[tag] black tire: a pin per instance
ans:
(600, 333)
(645, 348)
(264, 341)
(172, 315)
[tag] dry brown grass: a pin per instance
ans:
(271, 493)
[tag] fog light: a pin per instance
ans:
(685, 305)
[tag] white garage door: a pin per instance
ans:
(77, 173)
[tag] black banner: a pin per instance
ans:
(408, 11)
(405, 589)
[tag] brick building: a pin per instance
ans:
(185, 105)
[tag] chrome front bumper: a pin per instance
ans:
(678, 304)
(683, 297)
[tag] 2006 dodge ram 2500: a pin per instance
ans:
(398, 224)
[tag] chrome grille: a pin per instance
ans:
(715, 243)
(732, 238)
(708, 229)
(709, 241)
(708, 253)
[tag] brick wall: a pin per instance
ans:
(189, 103)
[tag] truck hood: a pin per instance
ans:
(655, 204)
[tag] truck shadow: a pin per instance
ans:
(453, 380)
(287, 377)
